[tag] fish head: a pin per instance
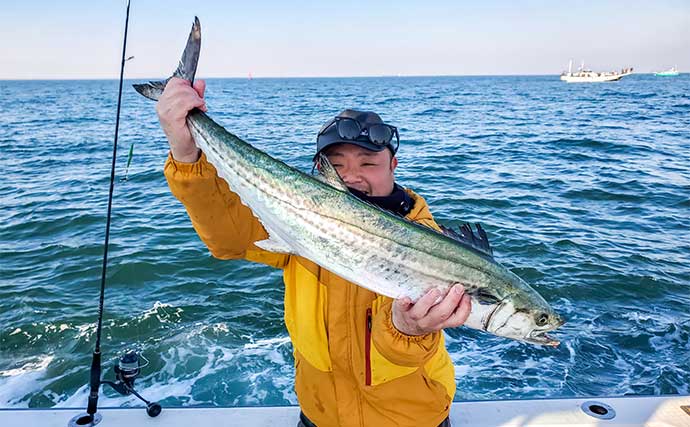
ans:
(528, 323)
(515, 310)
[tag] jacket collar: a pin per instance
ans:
(417, 211)
(420, 210)
(399, 202)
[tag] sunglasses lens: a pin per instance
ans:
(325, 127)
(380, 134)
(348, 128)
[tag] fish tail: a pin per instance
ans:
(186, 69)
(151, 90)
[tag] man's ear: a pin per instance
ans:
(394, 163)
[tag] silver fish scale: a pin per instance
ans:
(378, 263)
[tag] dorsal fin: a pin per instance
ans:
(329, 175)
(478, 240)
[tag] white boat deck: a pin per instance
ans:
(660, 411)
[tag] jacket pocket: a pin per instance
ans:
(305, 314)
(367, 350)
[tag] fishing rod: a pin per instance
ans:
(129, 366)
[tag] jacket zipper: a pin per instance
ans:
(367, 350)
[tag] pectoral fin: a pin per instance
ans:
(274, 244)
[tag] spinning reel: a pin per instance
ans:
(127, 370)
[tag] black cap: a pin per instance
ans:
(331, 137)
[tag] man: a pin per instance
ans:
(361, 359)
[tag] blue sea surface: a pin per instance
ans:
(584, 191)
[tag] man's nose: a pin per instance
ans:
(349, 174)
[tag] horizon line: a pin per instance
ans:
(295, 77)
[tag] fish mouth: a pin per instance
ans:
(542, 338)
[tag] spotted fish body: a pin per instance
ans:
(319, 219)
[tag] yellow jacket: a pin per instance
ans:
(353, 367)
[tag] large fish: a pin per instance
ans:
(319, 219)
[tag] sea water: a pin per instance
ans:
(584, 191)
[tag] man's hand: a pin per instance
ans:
(177, 100)
(428, 315)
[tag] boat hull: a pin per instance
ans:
(645, 411)
(593, 78)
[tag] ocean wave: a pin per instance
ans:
(583, 191)
(435, 111)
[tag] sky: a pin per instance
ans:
(78, 39)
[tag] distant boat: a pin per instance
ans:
(583, 75)
(671, 72)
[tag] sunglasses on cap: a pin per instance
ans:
(349, 129)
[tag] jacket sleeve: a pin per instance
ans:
(223, 223)
(401, 349)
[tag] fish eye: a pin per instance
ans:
(543, 319)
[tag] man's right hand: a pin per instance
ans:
(177, 100)
(432, 312)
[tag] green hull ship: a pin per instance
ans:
(672, 72)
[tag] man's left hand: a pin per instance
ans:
(429, 314)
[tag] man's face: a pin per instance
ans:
(367, 171)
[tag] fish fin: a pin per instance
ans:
(329, 175)
(274, 244)
(151, 90)
(484, 297)
(478, 240)
(186, 69)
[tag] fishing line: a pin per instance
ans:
(131, 147)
